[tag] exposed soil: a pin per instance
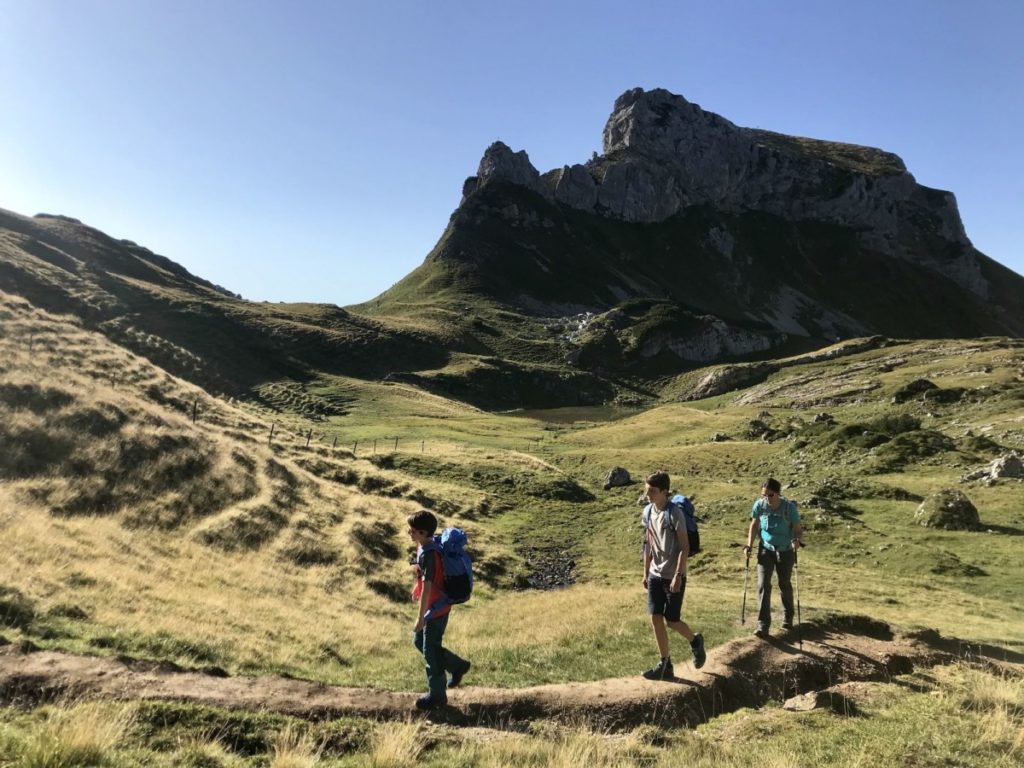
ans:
(550, 567)
(745, 672)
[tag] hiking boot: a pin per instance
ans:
(660, 671)
(761, 632)
(430, 702)
(456, 678)
(787, 624)
(699, 654)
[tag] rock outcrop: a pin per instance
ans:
(663, 154)
(1008, 466)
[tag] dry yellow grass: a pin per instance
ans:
(79, 735)
(198, 553)
(398, 745)
(292, 749)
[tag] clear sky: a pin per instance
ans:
(314, 150)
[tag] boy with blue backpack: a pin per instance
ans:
(443, 578)
(666, 549)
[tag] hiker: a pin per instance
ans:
(778, 521)
(666, 549)
(432, 614)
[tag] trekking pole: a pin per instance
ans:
(746, 581)
(799, 627)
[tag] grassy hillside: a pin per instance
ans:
(207, 543)
(508, 245)
(192, 329)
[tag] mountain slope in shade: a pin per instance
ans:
(691, 239)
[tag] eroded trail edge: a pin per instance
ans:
(745, 672)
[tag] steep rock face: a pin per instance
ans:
(663, 154)
(500, 163)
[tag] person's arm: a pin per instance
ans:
(684, 553)
(647, 557)
(798, 527)
(645, 520)
(751, 534)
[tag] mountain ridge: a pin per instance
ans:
(779, 238)
(689, 241)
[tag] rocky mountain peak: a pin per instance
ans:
(658, 123)
(500, 163)
(663, 154)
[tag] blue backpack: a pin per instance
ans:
(455, 562)
(689, 515)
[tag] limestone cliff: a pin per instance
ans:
(663, 154)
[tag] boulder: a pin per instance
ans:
(1009, 466)
(616, 477)
(949, 509)
(912, 390)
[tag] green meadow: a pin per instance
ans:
(150, 519)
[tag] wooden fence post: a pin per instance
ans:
(355, 445)
(309, 436)
(271, 438)
(195, 407)
(396, 445)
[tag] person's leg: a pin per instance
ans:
(454, 664)
(417, 641)
(785, 576)
(656, 603)
(765, 568)
(660, 634)
(433, 656)
(673, 616)
(674, 612)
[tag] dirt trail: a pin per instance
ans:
(742, 672)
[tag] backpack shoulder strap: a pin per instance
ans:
(790, 508)
(671, 519)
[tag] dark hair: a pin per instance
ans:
(659, 480)
(423, 521)
(772, 485)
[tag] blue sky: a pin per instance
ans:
(313, 151)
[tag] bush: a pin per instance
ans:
(905, 448)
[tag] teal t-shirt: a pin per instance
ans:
(776, 524)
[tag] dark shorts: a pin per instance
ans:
(661, 602)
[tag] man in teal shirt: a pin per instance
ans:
(778, 522)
